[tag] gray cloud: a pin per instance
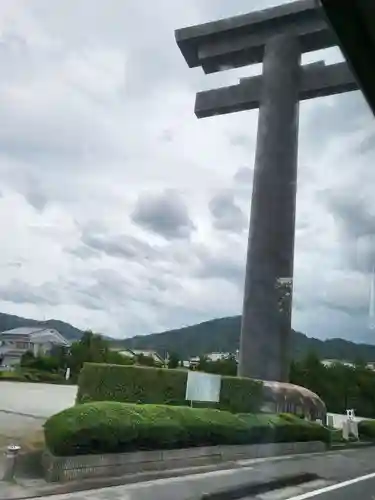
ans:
(20, 292)
(341, 115)
(244, 175)
(222, 263)
(226, 215)
(165, 214)
(355, 221)
(37, 199)
(223, 268)
(122, 246)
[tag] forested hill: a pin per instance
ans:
(217, 335)
(222, 335)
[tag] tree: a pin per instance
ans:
(173, 361)
(226, 366)
(41, 363)
(340, 386)
(145, 360)
(203, 364)
(91, 348)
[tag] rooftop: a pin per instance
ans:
(37, 331)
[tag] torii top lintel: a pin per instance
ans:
(239, 41)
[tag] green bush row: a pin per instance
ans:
(136, 384)
(284, 428)
(112, 427)
(366, 429)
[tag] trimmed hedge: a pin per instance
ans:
(285, 428)
(136, 384)
(366, 429)
(113, 427)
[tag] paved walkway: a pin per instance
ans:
(40, 400)
(25, 407)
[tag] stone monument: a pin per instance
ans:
(276, 37)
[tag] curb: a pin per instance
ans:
(107, 482)
(256, 488)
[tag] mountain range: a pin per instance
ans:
(217, 335)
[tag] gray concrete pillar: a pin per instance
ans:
(266, 317)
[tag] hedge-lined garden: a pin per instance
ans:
(113, 427)
(135, 384)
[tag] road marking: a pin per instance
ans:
(333, 487)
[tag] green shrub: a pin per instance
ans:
(290, 417)
(112, 427)
(285, 428)
(22, 375)
(10, 375)
(366, 429)
(135, 384)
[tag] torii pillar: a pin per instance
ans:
(277, 37)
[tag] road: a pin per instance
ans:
(361, 488)
(25, 407)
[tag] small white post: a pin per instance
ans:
(10, 462)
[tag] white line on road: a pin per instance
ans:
(333, 487)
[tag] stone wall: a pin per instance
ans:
(62, 469)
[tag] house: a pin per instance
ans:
(38, 340)
(135, 353)
(332, 362)
(212, 356)
(220, 356)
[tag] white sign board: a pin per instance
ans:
(203, 387)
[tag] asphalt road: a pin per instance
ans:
(363, 489)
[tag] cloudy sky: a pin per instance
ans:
(122, 212)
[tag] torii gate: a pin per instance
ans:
(277, 37)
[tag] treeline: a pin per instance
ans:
(340, 386)
(90, 348)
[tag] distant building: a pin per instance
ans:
(219, 356)
(331, 362)
(38, 340)
(134, 353)
(211, 356)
